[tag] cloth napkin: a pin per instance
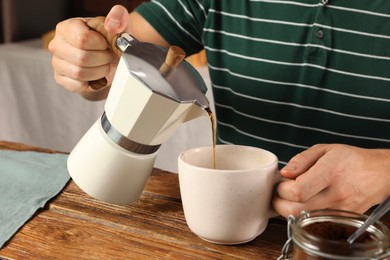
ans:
(27, 181)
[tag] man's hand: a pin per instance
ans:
(334, 176)
(81, 55)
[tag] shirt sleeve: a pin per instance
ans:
(178, 22)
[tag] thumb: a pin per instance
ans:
(303, 161)
(117, 20)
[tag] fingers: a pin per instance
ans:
(340, 196)
(82, 57)
(309, 177)
(286, 208)
(304, 187)
(76, 33)
(333, 176)
(303, 161)
(78, 45)
(79, 73)
(71, 84)
(79, 55)
(117, 20)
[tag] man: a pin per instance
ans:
(307, 80)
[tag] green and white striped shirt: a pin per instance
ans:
(289, 74)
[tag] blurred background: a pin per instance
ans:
(21, 19)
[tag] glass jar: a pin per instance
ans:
(323, 234)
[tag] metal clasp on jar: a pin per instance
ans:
(287, 247)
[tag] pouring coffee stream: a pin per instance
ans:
(214, 136)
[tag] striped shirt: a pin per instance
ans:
(289, 74)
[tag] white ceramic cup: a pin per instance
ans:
(232, 203)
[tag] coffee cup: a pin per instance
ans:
(229, 204)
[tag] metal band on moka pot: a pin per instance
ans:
(125, 142)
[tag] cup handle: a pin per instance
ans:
(278, 179)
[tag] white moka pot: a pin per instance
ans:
(114, 159)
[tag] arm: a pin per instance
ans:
(81, 55)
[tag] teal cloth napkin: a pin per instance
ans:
(27, 181)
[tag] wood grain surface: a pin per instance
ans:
(76, 226)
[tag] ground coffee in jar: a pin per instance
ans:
(323, 234)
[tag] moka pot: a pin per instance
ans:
(150, 97)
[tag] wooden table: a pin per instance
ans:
(76, 226)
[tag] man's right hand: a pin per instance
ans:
(81, 55)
